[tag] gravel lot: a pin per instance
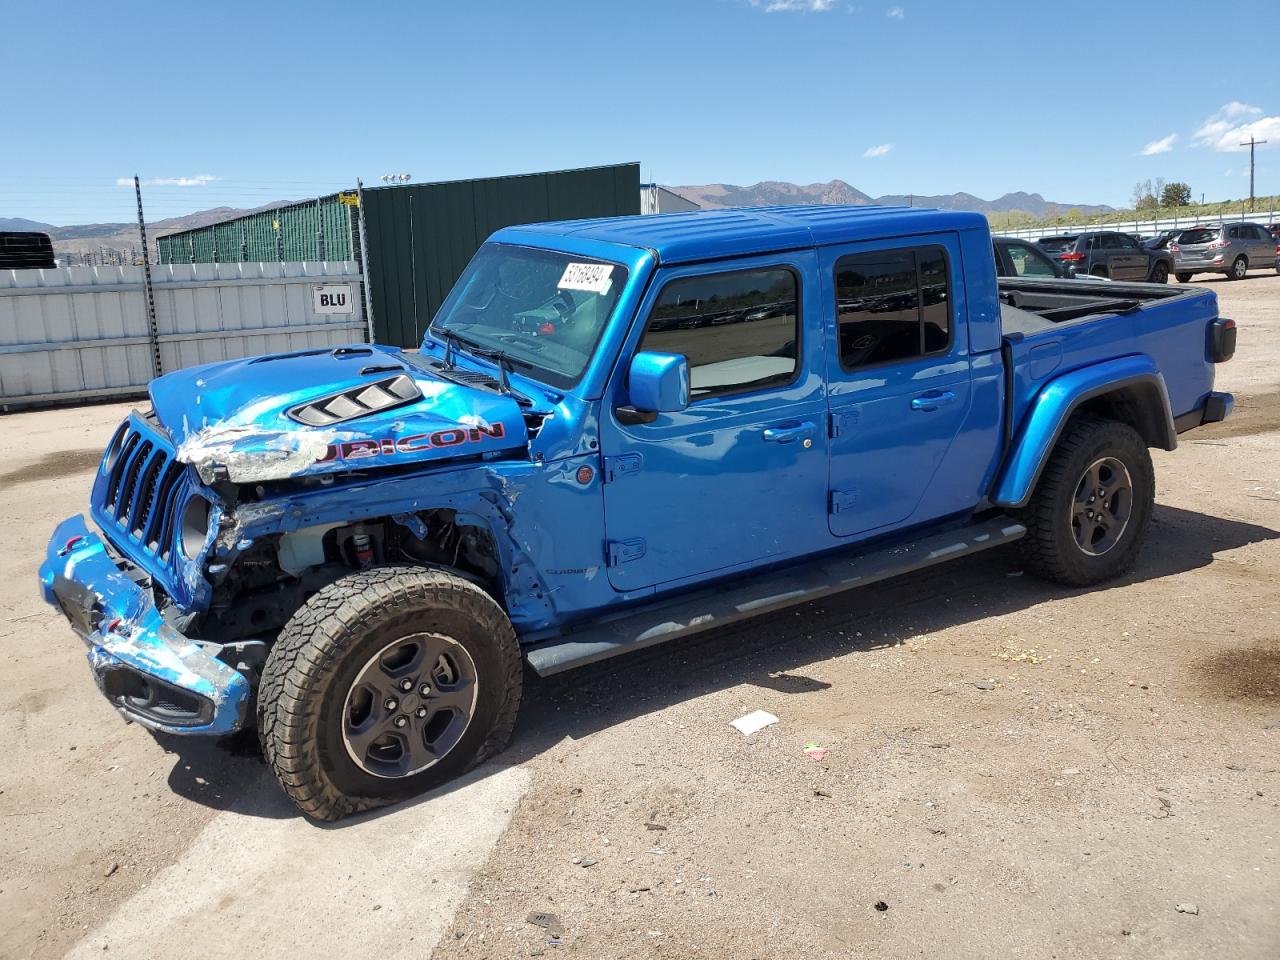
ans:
(1013, 769)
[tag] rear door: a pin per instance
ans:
(899, 379)
(1130, 260)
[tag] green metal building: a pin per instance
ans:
(419, 236)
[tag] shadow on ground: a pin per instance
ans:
(770, 651)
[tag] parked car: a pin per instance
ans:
(1231, 249)
(24, 250)
(1161, 240)
(1108, 254)
(353, 549)
(1274, 230)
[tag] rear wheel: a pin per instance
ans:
(1160, 273)
(1089, 514)
(1239, 267)
(1098, 272)
(385, 684)
(1184, 278)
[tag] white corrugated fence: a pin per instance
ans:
(82, 332)
(1141, 227)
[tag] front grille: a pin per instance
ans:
(140, 490)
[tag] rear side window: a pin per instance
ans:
(739, 331)
(892, 305)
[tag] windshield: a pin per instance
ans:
(542, 309)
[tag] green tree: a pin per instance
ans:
(1175, 195)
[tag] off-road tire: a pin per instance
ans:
(1184, 277)
(319, 653)
(1239, 268)
(1159, 273)
(1050, 549)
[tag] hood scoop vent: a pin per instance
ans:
(356, 402)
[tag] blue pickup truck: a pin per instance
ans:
(616, 433)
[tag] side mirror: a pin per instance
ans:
(658, 383)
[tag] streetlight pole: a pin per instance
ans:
(1251, 144)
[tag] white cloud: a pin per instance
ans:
(1225, 130)
(199, 180)
(896, 13)
(1163, 145)
(877, 151)
(794, 6)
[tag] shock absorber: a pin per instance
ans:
(363, 547)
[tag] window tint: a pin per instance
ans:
(1197, 235)
(739, 331)
(1027, 262)
(892, 305)
(1233, 233)
(1110, 241)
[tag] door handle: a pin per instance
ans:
(932, 400)
(788, 434)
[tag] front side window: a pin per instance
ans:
(739, 331)
(542, 309)
(1027, 262)
(892, 305)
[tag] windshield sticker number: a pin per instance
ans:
(592, 277)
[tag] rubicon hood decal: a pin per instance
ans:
(231, 420)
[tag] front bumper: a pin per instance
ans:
(149, 671)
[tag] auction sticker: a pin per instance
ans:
(593, 277)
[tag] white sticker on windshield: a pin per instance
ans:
(594, 277)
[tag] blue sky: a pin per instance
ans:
(242, 103)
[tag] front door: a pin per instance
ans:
(900, 381)
(740, 477)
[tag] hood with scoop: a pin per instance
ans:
(327, 411)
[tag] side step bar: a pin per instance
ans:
(761, 593)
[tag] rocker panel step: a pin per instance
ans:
(761, 593)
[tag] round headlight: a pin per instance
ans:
(195, 526)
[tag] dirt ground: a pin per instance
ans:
(1013, 769)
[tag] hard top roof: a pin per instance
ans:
(709, 234)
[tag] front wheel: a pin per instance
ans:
(1184, 278)
(385, 684)
(1160, 273)
(1239, 268)
(1089, 514)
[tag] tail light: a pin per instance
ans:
(1222, 340)
(1071, 257)
(1174, 248)
(1220, 244)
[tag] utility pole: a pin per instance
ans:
(1251, 144)
(146, 280)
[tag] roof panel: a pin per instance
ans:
(709, 234)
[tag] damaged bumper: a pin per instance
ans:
(149, 671)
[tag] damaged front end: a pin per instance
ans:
(254, 484)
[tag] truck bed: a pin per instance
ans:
(1052, 327)
(1030, 306)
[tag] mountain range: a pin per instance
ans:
(770, 192)
(93, 237)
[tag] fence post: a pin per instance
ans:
(153, 331)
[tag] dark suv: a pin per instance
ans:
(1107, 254)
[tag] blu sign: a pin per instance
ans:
(332, 298)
